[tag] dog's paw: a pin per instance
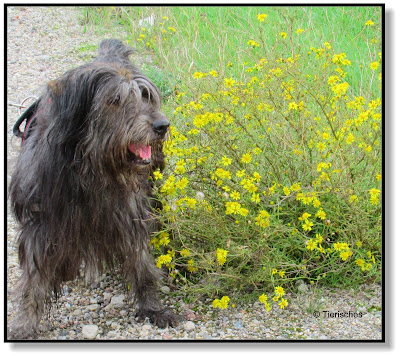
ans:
(20, 333)
(161, 318)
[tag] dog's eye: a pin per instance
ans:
(146, 95)
(115, 100)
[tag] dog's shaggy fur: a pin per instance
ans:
(81, 189)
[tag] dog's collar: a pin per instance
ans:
(29, 116)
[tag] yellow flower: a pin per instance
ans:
(295, 187)
(226, 161)
(261, 17)
(157, 175)
(222, 173)
(307, 225)
(286, 191)
(311, 245)
(216, 303)
(224, 302)
(262, 219)
(374, 196)
(262, 298)
(281, 274)
(369, 23)
(339, 246)
(350, 139)
(360, 262)
(199, 75)
(279, 291)
(257, 176)
(253, 43)
(191, 267)
(344, 255)
(321, 146)
(283, 303)
(304, 217)
(274, 271)
(299, 31)
(164, 239)
(181, 184)
(221, 256)
(283, 34)
(319, 238)
(374, 65)
(229, 82)
(232, 208)
(185, 253)
(246, 158)
(340, 89)
(163, 259)
(321, 214)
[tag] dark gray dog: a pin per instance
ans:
(81, 189)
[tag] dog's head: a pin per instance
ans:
(106, 116)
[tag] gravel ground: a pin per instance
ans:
(44, 42)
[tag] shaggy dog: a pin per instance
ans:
(82, 188)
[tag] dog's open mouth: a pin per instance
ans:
(141, 154)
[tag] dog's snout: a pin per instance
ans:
(160, 126)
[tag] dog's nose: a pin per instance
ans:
(160, 126)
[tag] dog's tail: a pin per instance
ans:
(114, 48)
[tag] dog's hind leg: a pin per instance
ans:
(31, 292)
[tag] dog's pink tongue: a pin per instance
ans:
(143, 151)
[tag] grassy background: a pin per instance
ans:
(207, 38)
(183, 41)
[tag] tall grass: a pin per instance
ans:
(274, 161)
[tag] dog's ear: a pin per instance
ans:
(114, 48)
(69, 104)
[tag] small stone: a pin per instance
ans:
(77, 312)
(90, 331)
(123, 313)
(93, 307)
(238, 325)
(165, 289)
(107, 297)
(118, 301)
(146, 327)
(189, 314)
(303, 288)
(189, 326)
(167, 336)
(111, 334)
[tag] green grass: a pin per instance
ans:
(207, 38)
(213, 118)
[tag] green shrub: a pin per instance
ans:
(274, 160)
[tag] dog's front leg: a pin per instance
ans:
(145, 279)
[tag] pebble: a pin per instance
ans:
(118, 301)
(77, 312)
(165, 289)
(90, 331)
(302, 288)
(189, 326)
(93, 307)
(238, 325)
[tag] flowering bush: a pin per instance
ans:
(273, 167)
